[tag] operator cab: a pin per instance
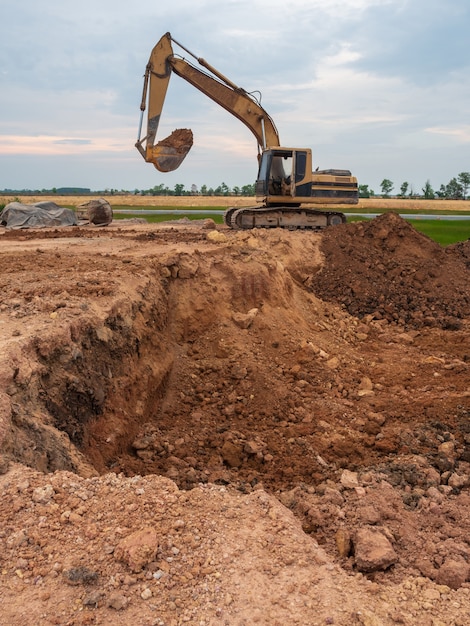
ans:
(282, 175)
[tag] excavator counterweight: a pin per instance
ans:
(285, 182)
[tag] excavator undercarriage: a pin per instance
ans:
(292, 218)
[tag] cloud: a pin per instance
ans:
(460, 134)
(73, 142)
(53, 145)
(376, 86)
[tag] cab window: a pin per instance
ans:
(300, 166)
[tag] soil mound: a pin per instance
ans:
(389, 270)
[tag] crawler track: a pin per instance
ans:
(292, 218)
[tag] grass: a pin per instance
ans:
(166, 217)
(403, 211)
(444, 233)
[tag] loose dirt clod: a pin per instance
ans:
(181, 139)
(234, 430)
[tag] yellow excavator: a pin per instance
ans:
(285, 185)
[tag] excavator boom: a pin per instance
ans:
(167, 154)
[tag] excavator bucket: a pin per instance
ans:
(168, 154)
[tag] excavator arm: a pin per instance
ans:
(167, 154)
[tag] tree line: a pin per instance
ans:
(179, 190)
(159, 190)
(456, 189)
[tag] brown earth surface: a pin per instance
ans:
(203, 426)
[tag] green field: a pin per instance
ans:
(444, 232)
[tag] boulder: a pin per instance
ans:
(97, 211)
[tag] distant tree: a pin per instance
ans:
(236, 191)
(404, 189)
(179, 189)
(428, 191)
(248, 190)
(222, 190)
(454, 190)
(364, 191)
(386, 185)
(194, 189)
(464, 180)
(158, 190)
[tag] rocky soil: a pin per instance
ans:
(203, 426)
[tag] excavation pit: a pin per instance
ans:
(250, 361)
(213, 359)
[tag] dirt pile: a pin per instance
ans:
(216, 440)
(386, 268)
(181, 140)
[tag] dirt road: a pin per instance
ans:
(205, 426)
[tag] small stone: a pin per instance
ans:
(447, 449)
(333, 496)
(208, 224)
(373, 551)
(453, 573)
(232, 454)
(138, 549)
(349, 479)
(366, 384)
(43, 495)
(146, 594)
(343, 542)
(457, 481)
(117, 601)
(435, 494)
(216, 236)
(93, 599)
(244, 320)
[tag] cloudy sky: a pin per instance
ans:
(380, 87)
